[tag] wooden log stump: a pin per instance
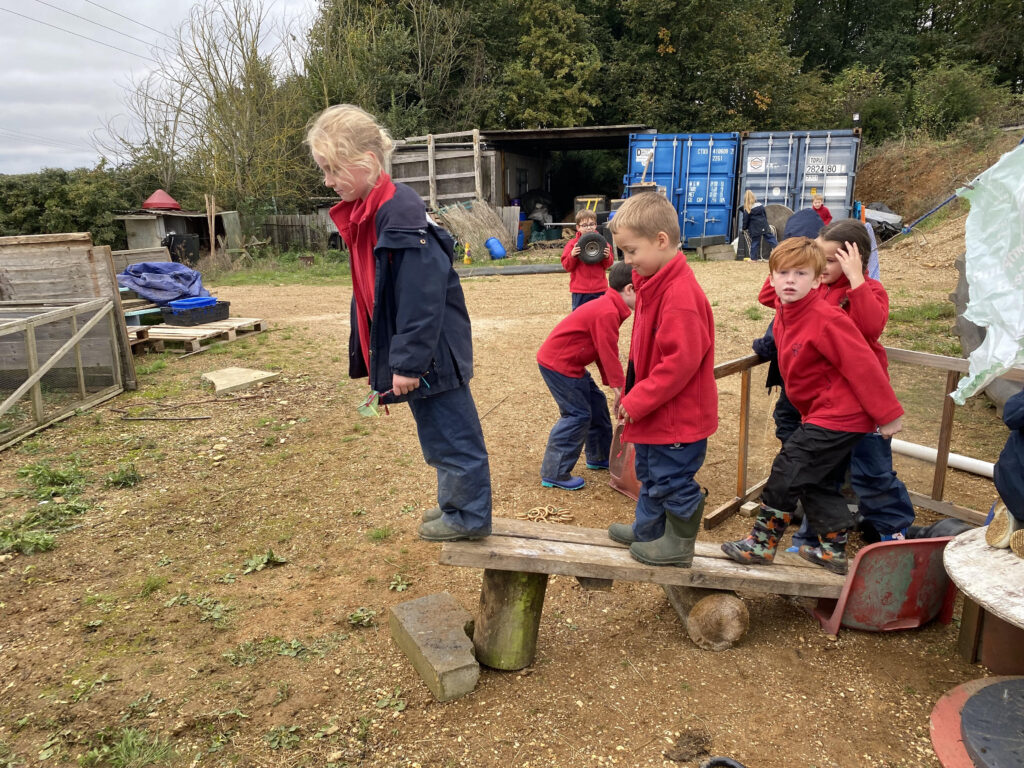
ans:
(714, 620)
(505, 634)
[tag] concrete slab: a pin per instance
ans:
(434, 632)
(232, 379)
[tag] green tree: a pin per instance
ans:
(950, 94)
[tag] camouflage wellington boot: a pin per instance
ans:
(759, 547)
(830, 553)
(675, 547)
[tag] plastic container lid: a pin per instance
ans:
(193, 303)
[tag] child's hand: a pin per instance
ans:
(890, 429)
(575, 251)
(623, 417)
(608, 251)
(618, 399)
(849, 259)
(403, 385)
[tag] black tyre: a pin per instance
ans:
(593, 248)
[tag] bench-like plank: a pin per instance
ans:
(587, 554)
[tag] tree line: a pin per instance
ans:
(225, 110)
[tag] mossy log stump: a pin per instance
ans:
(505, 634)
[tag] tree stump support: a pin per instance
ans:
(505, 633)
(714, 619)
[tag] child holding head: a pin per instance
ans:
(588, 335)
(883, 500)
(841, 390)
(586, 281)
(755, 223)
(818, 204)
(670, 406)
(410, 329)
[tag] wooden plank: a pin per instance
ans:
(598, 537)
(948, 508)
(431, 170)
(729, 367)
(65, 237)
(601, 562)
(730, 508)
(945, 436)
(942, 362)
(743, 443)
(478, 186)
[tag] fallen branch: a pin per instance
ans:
(164, 418)
(506, 397)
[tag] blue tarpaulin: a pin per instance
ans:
(162, 281)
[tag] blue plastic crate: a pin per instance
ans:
(194, 302)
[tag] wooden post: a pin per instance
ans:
(714, 620)
(78, 358)
(477, 179)
(505, 634)
(32, 356)
(431, 173)
(744, 436)
(211, 222)
(945, 434)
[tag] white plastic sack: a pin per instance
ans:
(995, 271)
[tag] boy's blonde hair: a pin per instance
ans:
(797, 253)
(749, 200)
(816, 198)
(349, 135)
(583, 215)
(647, 214)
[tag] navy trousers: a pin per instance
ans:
(757, 252)
(453, 443)
(667, 485)
(882, 497)
(584, 421)
(579, 299)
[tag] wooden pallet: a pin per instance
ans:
(138, 338)
(193, 338)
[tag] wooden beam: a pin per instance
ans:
(947, 508)
(73, 237)
(478, 185)
(730, 508)
(743, 442)
(945, 436)
(431, 169)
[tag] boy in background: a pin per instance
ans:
(670, 407)
(818, 204)
(842, 392)
(587, 336)
(586, 281)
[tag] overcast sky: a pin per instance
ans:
(57, 88)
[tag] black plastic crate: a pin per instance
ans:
(196, 315)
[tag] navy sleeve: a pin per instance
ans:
(1013, 411)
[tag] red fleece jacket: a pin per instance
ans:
(867, 305)
(583, 277)
(832, 375)
(589, 334)
(674, 398)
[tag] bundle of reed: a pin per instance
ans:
(474, 222)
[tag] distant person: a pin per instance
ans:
(586, 281)
(410, 329)
(670, 405)
(584, 337)
(842, 392)
(818, 204)
(755, 224)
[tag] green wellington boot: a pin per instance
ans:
(759, 547)
(622, 533)
(431, 514)
(830, 553)
(675, 547)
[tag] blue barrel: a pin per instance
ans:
(495, 248)
(791, 167)
(697, 172)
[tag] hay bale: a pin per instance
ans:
(474, 222)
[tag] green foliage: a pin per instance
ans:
(394, 701)
(283, 737)
(48, 481)
(56, 489)
(127, 748)
(377, 535)
(126, 476)
(950, 94)
(265, 560)
(362, 617)
(399, 583)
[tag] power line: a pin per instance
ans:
(24, 134)
(128, 18)
(53, 143)
(96, 23)
(84, 37)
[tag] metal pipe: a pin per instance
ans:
(956, 461)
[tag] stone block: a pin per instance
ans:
(434, 632)
(750, 509)
(232, 379)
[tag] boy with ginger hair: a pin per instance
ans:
(834, 378)
(670, 405)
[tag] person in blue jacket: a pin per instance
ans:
(410, 329)
(755, 222)
(1008, 473)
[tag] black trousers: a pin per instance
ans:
(810, 469)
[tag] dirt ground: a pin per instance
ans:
(271, 668)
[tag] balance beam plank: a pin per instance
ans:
(597, 561)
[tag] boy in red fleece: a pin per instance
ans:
(590, 335)
(671, 404)
(836, 381)
(586, 281)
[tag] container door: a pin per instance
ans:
(827, 167)
(653, 159)
(768, 169)
(706, 179)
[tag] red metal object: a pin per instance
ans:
(622, 466)
(160, 200)
(892, 585)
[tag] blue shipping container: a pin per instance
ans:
(790, 168)
(698, 174)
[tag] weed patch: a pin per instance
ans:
(126, 748)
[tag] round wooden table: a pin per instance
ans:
(992, 580)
